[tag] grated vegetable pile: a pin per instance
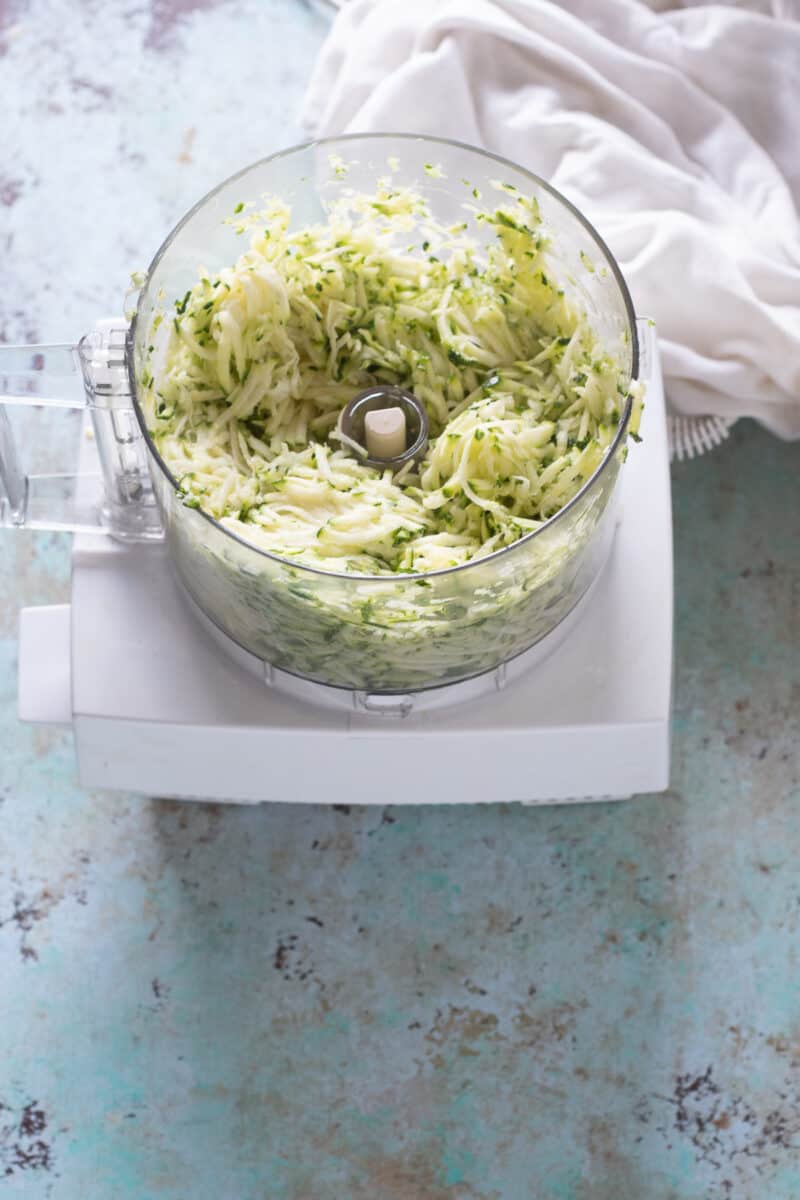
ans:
(262, 356)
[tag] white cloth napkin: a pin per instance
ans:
(676, 132)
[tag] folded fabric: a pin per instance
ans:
(675, 132)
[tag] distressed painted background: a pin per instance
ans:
(293, 1003)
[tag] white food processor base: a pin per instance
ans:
(158, 706)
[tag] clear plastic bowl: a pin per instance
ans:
(402, 633)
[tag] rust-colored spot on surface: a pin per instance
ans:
(464, 1025)
(185, 155)
(500, 920)
(553, 1025)
(415, 1175)
(781, 1044)
(28, 911)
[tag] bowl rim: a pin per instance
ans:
(611, 262)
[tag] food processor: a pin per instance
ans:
(192, 663)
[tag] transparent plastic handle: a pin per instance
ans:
(106, 485)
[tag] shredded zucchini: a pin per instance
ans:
(523, 401)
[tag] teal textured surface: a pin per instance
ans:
(305, 1003)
